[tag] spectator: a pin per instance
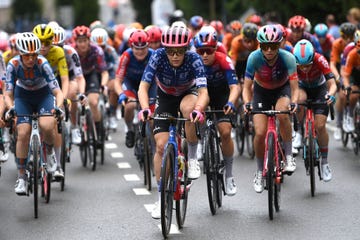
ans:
(334, 29)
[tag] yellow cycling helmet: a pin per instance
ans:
(43, 32)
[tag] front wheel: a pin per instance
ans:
(311, 159)
(240, 135)
(211, 173)
(270, 174)
(167, 189)
(181, 204)
(35, 172)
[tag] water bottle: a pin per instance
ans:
(181, 167)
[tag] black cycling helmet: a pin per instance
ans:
(249, 30)
(347, 29)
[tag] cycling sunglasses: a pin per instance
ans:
(46, 43)
(139, 45)
(305, 65)
(175, 50)
(208, 51)
(272, 46)
(30, 55)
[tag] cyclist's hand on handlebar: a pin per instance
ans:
(330, 99)
(83, 99)
(196, 116)
(10, 114)
(293, 107)
(247, 107)
(59, 113)
(122, 99)
(144, 114)
(229, 108)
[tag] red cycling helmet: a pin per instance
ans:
(176, 36)
(139, 39)
(81, 31)
(297, 22)
(154, 33)
(255, 19)
(235, 26)
(218, 25)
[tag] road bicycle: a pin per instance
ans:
(89, 138)
(144, 145)
(311, 150)
(274, 160)
(36, 167)
(174, 181)
(354, 135)
(66, 142)
(104, 132)
(213, 164)
(244, 133)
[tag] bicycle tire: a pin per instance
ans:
(355, 137)
(181, 205)
(277, 184)
(92, 142)
(64, 154)
(240, 134)
(102, 134)
(35, 171)
(167, 189)
(310, 154)
(270, 173)
(83, 145)
(249, 138)
(147, 163)
(220, 176)
(46, 185)
(211, 172)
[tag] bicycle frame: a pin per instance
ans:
(272, 129)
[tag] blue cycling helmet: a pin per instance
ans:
(206, 37)
(304, 52)
(321, 30)
(196, 22)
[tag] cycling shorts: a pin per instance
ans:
(265, 99)
(29, 102)
(219, 96)
(168, 104)
(92, 82)
(318, 94)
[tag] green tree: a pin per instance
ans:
(26, 9)
(85, 11)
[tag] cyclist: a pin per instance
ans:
(195, 24)
(211, 30)
(154, 33)
(76, 77)
(100, 37)
(31, 85)
(297, 24)
(181, 81)
(241, 46)
(351, 78)
(325, 39)
(128, 76)
(233, 29)
(271, 73)
(92, 61)
(13, 51)
(219, 27)
(3, 152)
(316, 82)
(224, 92)
(56, 58)
(347, 31)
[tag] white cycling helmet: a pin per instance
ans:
(28, 43)
(99, 36)
(59, 35)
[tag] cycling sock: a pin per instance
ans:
(159, 193)
(112, 110)
(260, 163)
(192, 149)
(228, 166)
(339, 118)
(351, 112)
(287, 148)
(324, 153)
(130, 126)
(57, 155)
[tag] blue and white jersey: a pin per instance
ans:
(31, 79)
(175, 81)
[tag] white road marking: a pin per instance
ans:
(131, 177)
(123, 165)
(149, 207)
(117, 155)
(173, 229)
(141, 191)
(110, 145)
